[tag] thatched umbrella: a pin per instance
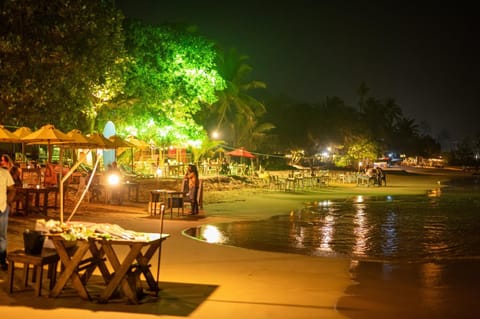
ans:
(100, 141)
(79, 140)
(7, 136)
(22, 132)
(140, 144)
(119, 142)
(49, 135)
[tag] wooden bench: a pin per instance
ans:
(48, 257)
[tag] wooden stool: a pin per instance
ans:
(48, 257)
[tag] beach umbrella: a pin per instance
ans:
(78, 139)
(7, 136)
(100, 142)
(137, 143)
(22, 132)
(49, 135)
(241, 152)
(119, 142)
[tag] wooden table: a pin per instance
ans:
(34, 194)
(170, 198)
(117, 193)
(123, 274)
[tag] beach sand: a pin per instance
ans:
(201, 280)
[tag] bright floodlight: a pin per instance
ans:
(113, 179)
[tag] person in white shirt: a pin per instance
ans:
(7, 195)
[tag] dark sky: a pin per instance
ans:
(425, 56)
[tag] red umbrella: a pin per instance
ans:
(241, 152)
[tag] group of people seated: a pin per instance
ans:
(51, 172)
(50, 176)
(376, 176)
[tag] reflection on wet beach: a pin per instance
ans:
(416, 256)
(412, 290)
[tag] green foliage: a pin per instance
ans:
(171, 75)
(237, 113)
(312, 127)
(359, 149)
(53, 57)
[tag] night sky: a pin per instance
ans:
(425, 56)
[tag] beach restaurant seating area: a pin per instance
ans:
(298, 180)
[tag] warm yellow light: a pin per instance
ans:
(213, 235)
(113, 179)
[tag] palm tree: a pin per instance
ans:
(236, 112)
(362, 92)
(406, 135)
(379, 118)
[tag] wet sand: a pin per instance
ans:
(201, 280)
(413, 290)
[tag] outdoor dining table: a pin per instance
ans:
(123, 274)
(33, 195)
(117, 193)
(170, 198)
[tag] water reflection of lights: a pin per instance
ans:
(324, 203)
(431, 278)
(213, 235)
(435, 192)
(390, 242)
(299, 238)
(359, 199)
(327, 230)
(360, 231)
(434, 242)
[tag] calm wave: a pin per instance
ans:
(441, 225)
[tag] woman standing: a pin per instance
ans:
(193, 184)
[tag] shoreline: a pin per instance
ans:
(201, 280)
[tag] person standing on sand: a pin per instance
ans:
(7, 195)
(193, 184)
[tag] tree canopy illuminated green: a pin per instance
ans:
(171, 74)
